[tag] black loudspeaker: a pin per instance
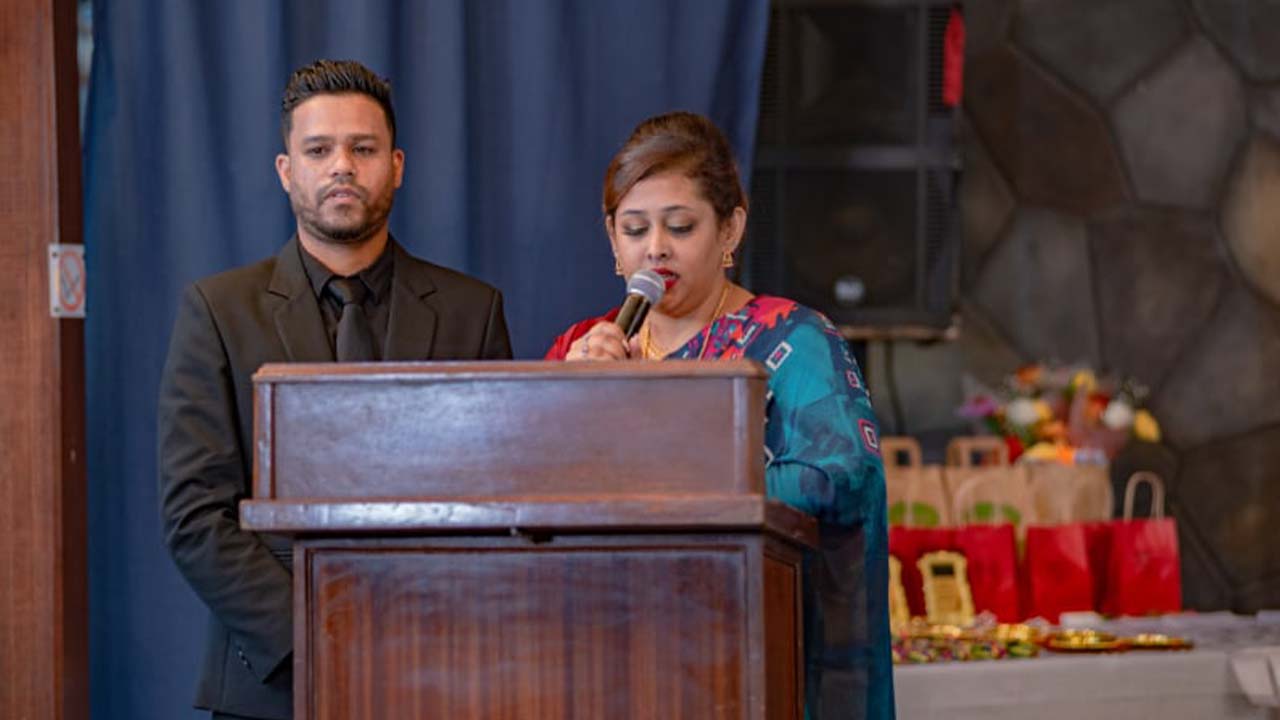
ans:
(853, 192)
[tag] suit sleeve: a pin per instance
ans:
(202, 478)
(497, 343)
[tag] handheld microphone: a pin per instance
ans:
(644, 290)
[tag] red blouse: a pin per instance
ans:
(560, 348)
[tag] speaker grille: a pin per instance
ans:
(853, 190)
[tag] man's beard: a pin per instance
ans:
(344, 232)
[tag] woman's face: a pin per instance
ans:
(666, 225)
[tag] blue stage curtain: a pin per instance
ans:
(508, 112)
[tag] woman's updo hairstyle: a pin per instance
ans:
(682, 141)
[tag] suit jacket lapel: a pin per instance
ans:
(411, 327)
(297, 318)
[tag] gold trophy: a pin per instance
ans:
(947, 598)
(899, 612)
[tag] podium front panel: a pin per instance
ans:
(696, 626)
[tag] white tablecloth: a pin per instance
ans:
(1196, 685)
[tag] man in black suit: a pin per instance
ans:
(341, 288)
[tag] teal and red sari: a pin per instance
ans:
(823, 456)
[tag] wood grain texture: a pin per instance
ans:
(783, 635)
(585, 626)
(263, 440)
(521, 428)
(43, 604)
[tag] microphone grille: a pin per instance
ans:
(647, 283)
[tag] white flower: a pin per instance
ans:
(1118, 415)
(1022, 412)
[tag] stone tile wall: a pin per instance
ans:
(1121, 206)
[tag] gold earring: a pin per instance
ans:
(727, 260)
(617, 266)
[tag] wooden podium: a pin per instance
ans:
(531, 540)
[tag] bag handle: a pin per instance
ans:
(961, 450)
(962, 506)
(894, 445)
(891, 447)
(1153, 481)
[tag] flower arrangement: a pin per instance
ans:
(1063, 414)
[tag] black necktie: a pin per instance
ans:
(355, 339)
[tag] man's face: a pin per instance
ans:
(341, 171)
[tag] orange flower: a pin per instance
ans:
(1029, 375)
(1066, 454)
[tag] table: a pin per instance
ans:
(1199, 684)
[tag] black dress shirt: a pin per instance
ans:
(377, 301)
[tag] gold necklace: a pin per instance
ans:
(651, 350)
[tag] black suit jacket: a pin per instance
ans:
(227, 326)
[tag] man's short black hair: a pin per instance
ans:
(334, 77)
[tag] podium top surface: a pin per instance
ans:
(475, 430)
(522, 370)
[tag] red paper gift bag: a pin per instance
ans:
(991, 552)
(992, 556)
(1097, 542)
(1144, 575)
(1058, 569)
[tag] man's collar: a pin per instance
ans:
(376, 277)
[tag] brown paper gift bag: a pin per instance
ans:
(1062, 494)
(916, 492)
(984, 487)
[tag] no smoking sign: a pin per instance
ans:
(66, 281)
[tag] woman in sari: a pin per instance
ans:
(673, 204)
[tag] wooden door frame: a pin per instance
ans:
(43, 566)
